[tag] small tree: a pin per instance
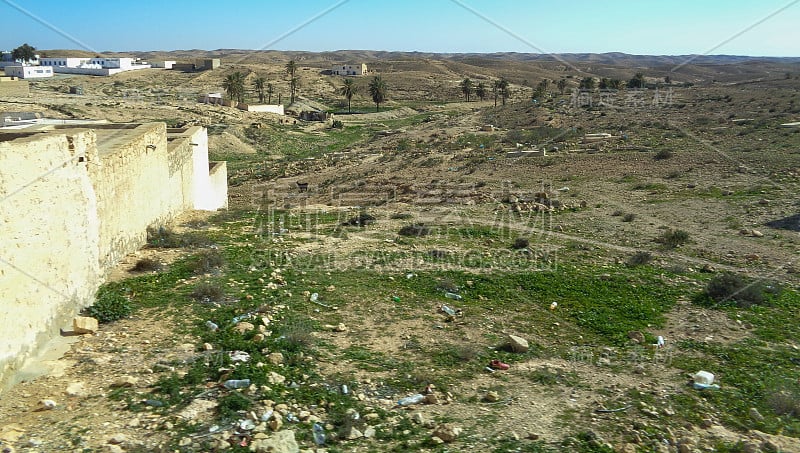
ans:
(562, 85)
(348, 90)
(480, 91)
(270, 91)
(260, 84)
(291, 69)
(24, 53)
(637, 81)
(234, 86)
(587, 83)
(503, 90)
(466, 88)
(377, 90)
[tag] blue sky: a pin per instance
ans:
(636, 26)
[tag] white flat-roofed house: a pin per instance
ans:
(349, 69)
(92, 66)
(29, 72)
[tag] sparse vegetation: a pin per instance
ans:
(415, 229)
(673, 238)
(111, 304)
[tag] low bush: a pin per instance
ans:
(732, 288)
(208, 292)
(110, 305)
(146, 265)
(207, 261)
(640, 259)
(521, 243)
(673, 238)
(415, 229)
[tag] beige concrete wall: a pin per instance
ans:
(74, 202)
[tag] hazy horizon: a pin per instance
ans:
(715, 27)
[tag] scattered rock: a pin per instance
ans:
(369, 432)
(280, 442)
(275, 378)
(84, 324)
(518, 344)
(276, 358)
(354, 434)
(755, 415)
(431, 399)
(636, 336)
(341, 327)
(114, 449)
(76, 389)
(756, 234)
(125, 381)
(491, 397)
(198, 409)
(244, 326)
(275, 423)
(117, 439)
(447, 432)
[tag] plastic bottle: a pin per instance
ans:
(211, 326)
(236, 383)
(319, 434)
(409, 400)
(453, 296)
(345, 390)
(314, 297)
(448, 310)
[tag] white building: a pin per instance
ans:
(349, 69)
(29, 72)
(165, 64)
(92, 66)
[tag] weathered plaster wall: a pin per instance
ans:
(73, 202)
(49, 260)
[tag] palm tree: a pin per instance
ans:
(466, 87)
(495, 91)
(480, 91)
(294, 84)
(234, 86)
(504, 91)
(259, 84)
(377, 89)
(348, 90)
(562, 85)
(270, 91)
(291, 69)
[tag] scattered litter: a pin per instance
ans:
(290, 417)
(314, 297)
(323, 305)
(153, 403)
(409, 400)
(704, 380)
(395, 298)
(553, 306)
(498, 365)
(46, 405)
(410, 276)
(211, 326)
(448, 310)
(266, 415)
(659, 342)
(345, 390)
(563, 189)
(236, 383)
(246, 424)
(490, 369)
(319, 434)
(609, 411)
(239, 356)
(240, 318)
(453, 296)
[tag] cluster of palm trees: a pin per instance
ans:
(500, 89)
(377, 89)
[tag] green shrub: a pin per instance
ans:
(521, 243)
(729, 287)
(208, 292)
(110, 305)
(416, 229)
(146, 265)
(785, 402)
(640, 259)
(206, 261)
(663, 154)
(673, 238)
(362, 219)
(232, 403)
